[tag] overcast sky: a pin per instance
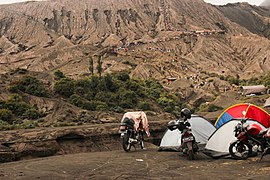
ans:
(218, 2)
(222, 2)
(12, 1)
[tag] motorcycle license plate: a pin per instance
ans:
(188, 139)
(122, 128)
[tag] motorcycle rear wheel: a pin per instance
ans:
(190, 152)
(240, 150)
(125, 144)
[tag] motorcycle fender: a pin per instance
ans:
(189, 145)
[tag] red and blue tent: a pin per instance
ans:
(236, 111)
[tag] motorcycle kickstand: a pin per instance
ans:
(262, 156)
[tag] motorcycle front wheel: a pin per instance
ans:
(240, 150)
(141, 140)
(125, 144)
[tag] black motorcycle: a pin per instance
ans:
(189, 145)
(130, 137)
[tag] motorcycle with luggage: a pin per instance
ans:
(129, 136)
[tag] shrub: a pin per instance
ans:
(82, 86)
(89, 105)
(101, 105)
(94, 81)
(6, 116)
(17, 108)
(110, 83)
(128, 98)
(222, 77)
(233, 80)
(27, 124)
(213, 108)
(76, 100)
(122, 76)
(15, 98)
(143, 105)
(133, 65)
(209, 108)
(59, 75)
(89, 96)
(64, 87)
(5, 125)
(165, 101)
(117, 109)
(30, 85)
(126, 103)
(31, 114)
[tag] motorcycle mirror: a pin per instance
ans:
(244, 113)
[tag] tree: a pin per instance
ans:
(99, 66)
(91, 65)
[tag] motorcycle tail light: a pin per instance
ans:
(187, 134)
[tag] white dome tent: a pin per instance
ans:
(201, 129)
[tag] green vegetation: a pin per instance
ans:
(111, 92)
(29, 85)
(59, 75)
(133, 65)
(99, 66)
(209, 108)
(233, 80)
(15, 111)
(64, 87)
(116, 92)
(264, 79)
(91, 65)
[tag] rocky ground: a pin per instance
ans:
(41, 142)
(140, 164)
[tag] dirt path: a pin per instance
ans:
(140, 164)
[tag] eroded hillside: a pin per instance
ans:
(255, 19)
(188, 40)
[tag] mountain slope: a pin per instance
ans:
(168, 38)
(265, 3)
(255, 19)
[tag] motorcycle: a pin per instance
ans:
(189, 145)
(249, 138)
(130, 137)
